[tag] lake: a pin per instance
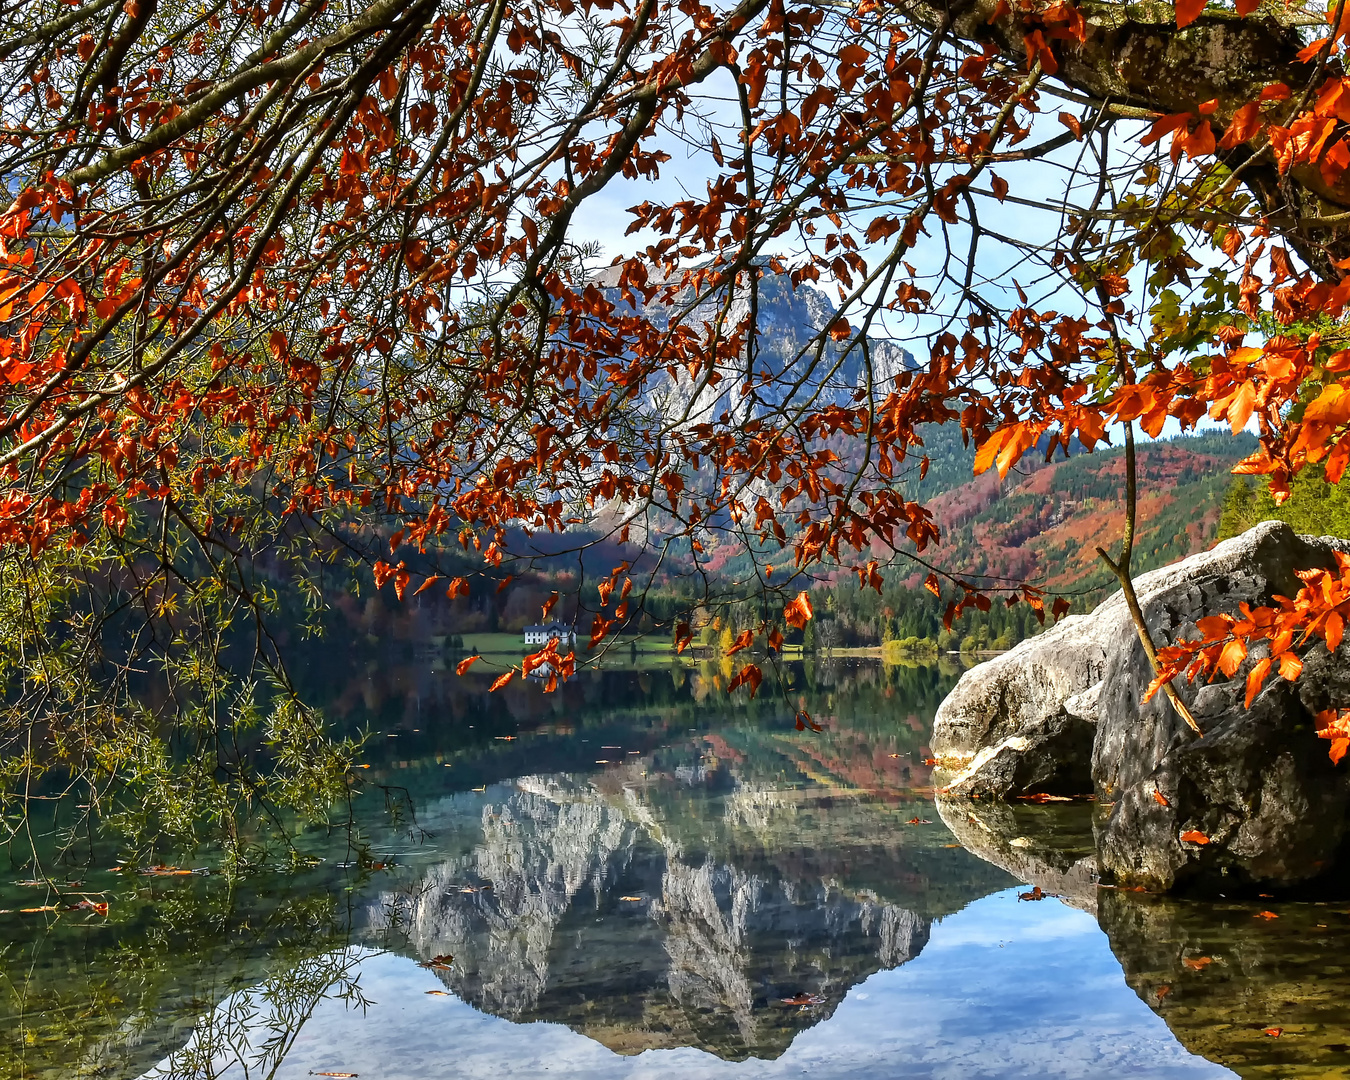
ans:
(632, 878)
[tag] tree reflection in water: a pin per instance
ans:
(251, 1033)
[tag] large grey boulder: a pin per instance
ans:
(1258, 785)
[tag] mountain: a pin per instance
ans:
(785, 366)
(1043, 522)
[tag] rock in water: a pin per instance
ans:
(1258, 787)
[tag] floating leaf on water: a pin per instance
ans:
(632, 899)
(1163, 991)
(97, 907)
(1035, 894)
(441, 962)
(437, 993)
(505, 738)
(1265, 915)
(336, 1075)
(1273, 1032)
(918, 821)
(1197, 963)
(803, 999)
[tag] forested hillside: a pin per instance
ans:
(1040, 525)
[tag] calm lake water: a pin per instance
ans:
(632, 879)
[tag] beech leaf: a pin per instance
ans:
(1188, 11)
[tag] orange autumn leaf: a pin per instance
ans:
(1160, 798)
(750, 676)
(463, 666)
(804, 721)
(1333, 630)
(1230, 659)
(1255, 678)
(427, 584)
(1241, 406)
(502, 680)
(743, 641)
(798, 612)
(1188, 11)
(1193, 836)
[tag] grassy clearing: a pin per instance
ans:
(514, 645)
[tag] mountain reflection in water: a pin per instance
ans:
(633, 878)
(651, 912)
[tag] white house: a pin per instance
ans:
(541, 635)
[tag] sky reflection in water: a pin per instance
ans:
(1003, 989)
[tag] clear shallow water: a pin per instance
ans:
(632, 879)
